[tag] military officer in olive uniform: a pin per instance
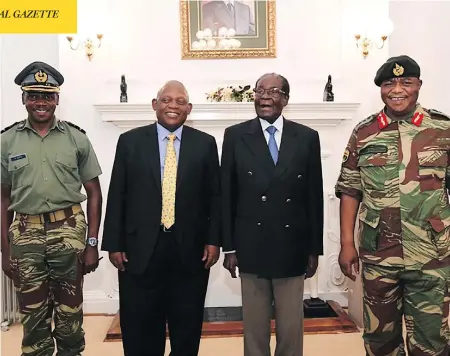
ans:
(396, 171)
(47, 242)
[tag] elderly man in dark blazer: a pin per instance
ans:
(272, 216)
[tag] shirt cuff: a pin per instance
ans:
(227, 252)
(354, 193)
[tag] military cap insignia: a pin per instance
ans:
(41, 76)
(398, 70)
(417, 118)
(382, 120)
(346, 155)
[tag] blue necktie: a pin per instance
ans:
(273, 144)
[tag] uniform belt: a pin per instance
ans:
(52, 216)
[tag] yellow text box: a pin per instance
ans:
(43, 16)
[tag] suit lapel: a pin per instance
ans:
(187, 149)
(151, 147)
(287, 148)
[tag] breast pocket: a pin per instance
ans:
(376, 169)
(67, 167)
(432, 168)
(18, 168)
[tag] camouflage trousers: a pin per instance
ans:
(421, 297)
(48, 278)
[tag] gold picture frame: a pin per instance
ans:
(246, 39)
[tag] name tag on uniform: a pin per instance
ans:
(18, 157)
(373, 149)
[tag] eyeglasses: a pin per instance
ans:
(273, 92)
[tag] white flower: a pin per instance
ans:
(225, 94)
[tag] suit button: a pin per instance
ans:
(299, 176)
(249, 173)
(288, 200)
(287, 226)
(259, 224)
(263, 198)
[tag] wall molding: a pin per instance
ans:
(98, 302)
(216, 115)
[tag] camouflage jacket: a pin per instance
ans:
(399, 171)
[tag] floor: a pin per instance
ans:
(97, 326)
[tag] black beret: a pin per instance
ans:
(400, 66)
(40, 77)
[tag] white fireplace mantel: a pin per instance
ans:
(213, 118)
(213, 115)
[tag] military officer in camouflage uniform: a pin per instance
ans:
(396, 170)
(47, 242)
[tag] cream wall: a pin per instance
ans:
(142, 41)
(428, 42)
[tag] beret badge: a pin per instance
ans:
(398, 70)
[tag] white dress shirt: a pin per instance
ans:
(264, 125)
(278, 125)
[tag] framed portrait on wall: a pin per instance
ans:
(214, 29)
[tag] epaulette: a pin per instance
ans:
(438, 113)
(75, 126)
(11, 126)
(366, 121)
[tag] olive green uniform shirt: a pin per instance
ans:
(46, 173)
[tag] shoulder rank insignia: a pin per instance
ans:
(417, 118)
(75, 126)
(382, 120)
(20, 123)
(439, 113)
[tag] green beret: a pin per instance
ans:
(401, 66)
(39, 77)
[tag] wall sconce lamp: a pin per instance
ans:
(367, 43)
(375, 36)
(88, 44)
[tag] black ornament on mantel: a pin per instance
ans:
(123, 90)
(328, 91)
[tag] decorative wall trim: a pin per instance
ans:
(216, 115)
(99, 303)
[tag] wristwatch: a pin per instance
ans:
(92, 241)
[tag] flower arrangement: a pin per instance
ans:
(231, 93)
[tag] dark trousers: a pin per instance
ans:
(168, 292)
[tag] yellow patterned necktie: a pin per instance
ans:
(169, 184)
